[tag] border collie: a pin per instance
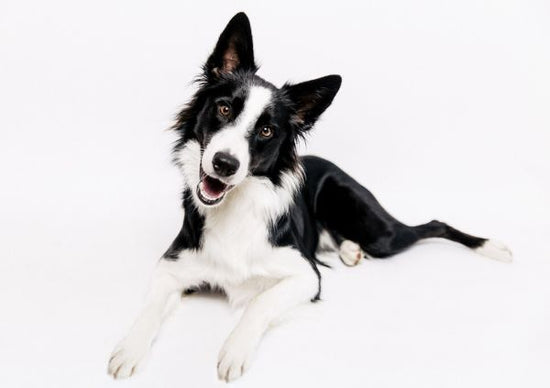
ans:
(256, 213)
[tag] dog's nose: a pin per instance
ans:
(224, 164)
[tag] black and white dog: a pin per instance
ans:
(255, 212)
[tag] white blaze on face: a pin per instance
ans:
(232, 138)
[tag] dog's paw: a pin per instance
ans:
(127, 358)
(235, 356)
(350, 253)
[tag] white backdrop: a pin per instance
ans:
(443, 113)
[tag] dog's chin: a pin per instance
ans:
(211, 191)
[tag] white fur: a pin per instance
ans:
(189, 161)
(326, 242)
(350, 253)
(131, 352)
(233, 137)
(236, 256)
(495, 250)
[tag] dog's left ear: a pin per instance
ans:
(234, 49)
(312, 98)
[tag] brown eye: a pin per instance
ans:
(224, 110)
(266, 132)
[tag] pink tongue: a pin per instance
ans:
(213, 188)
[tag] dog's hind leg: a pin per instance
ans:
(348, 211)
(350, 253)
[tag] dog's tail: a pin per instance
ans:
(358, 223)
(489, 248)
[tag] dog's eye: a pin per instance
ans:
(266, 132)
(224, 110)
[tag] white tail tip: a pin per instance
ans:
(495, 250)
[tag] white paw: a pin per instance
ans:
(127, 358)
(236, 355)
(495, 250)
(350, 253)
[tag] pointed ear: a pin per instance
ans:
(234, 49)
(311, 98)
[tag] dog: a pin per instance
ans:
(256, 213)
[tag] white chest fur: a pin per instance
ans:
(235, 252)
(236, 234)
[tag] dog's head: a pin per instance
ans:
(246, 126)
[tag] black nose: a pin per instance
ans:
(225, 164)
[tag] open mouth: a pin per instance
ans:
(211, 190)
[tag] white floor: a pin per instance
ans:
(443, 114)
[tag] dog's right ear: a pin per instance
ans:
(234, 50)
(311, 98)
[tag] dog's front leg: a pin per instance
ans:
(132, 351)
(237, 351)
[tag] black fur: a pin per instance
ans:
(190, 234)
(329, 199)
(348, 211)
